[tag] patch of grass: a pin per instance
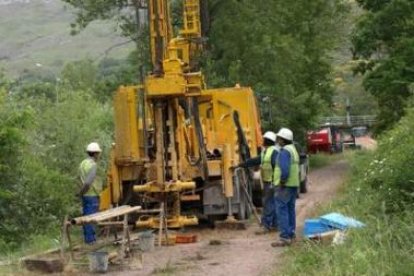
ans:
(10, 259)
(36, 244)
(168, 269)
(383, 247)
(322, 159)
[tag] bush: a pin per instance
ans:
(391, 170)
(380, 194)
(42, 142)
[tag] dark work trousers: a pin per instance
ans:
(269, 218)
(90, 206)
(285, 208)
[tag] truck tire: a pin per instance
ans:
(242, 215)
(304, 186)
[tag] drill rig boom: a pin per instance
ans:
(176, 140)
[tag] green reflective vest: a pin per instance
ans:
(266, 166)
(84, 168)
(293, 179)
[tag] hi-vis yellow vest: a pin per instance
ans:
(97, 186)
(266, 166)
(293, 180)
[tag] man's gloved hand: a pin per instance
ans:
(241, 165)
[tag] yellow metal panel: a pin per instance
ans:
(113, 178)
(126, 125)
(227, 175)
(167, 86)
(243, 101)
(105, 199)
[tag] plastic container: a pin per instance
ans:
(98, 261)
(189, 238)
(146, 241)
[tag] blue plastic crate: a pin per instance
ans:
(314, 227)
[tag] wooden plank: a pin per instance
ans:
(105, 215)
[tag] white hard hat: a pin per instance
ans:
(93, 147)
(270, 135)
(285, 133)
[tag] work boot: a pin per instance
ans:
(265, 230)
(282, 242)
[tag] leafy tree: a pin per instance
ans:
(42, 142)
(12, 124)
(384, 39)
(282, 49)
(130, 17)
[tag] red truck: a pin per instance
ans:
(326, 139)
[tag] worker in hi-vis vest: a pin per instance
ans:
(90, 188)
(286, 180)
(267, 162)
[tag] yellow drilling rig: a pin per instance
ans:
(175, 140)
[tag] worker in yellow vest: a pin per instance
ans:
(267, 163)
(90, 189)
(286, 179)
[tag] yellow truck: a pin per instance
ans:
(176, 141)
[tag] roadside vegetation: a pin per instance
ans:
(320, 160)
(380, 193)
(44, 128)
(380, 190)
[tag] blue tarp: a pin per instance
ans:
(329, 222)
(314, 227)
(340, 221)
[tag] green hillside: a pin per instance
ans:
(38, 32)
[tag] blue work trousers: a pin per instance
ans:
(269, 218)
(285, 208)
(90, 206)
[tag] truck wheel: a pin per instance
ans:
(304, 186)
(241, 215)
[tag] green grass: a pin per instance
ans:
(323, 159)
(383, 247)
(168, 269)
(10, 258)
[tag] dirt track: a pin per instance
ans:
(240, 252)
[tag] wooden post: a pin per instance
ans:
(124, 236)
(62, 239)
(67, 226)
(165, 224)
(161, 223)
